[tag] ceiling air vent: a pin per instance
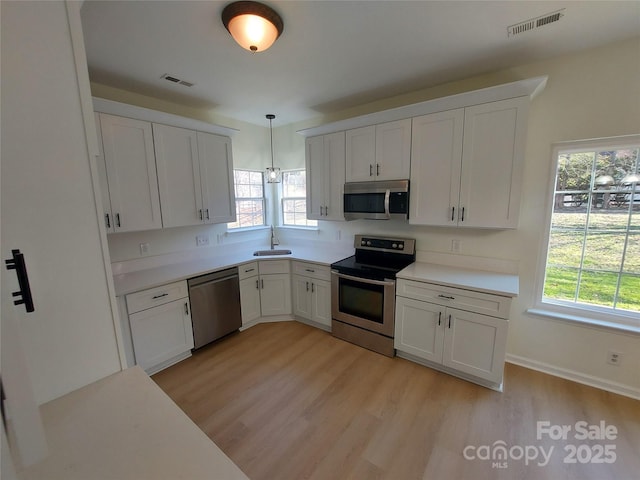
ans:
(172, 79)
(534, 23)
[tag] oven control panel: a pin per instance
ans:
(401, 245)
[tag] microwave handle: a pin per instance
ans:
(387, 194)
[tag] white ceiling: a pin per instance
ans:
(332, 55)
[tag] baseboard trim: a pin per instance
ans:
(590, 380)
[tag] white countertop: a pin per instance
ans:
(125, 427)
(479, 280)
(130, 282)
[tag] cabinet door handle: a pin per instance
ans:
(312, 289)
(207, 213)
(200, 213)
(155, 297)
(462, 214)
(186, 308)
(439, 317)
(326, 211)
(257, 285)
(370, 170)
(447, 297)
(17, 263)
(377, 169)
(449, 321)
(107, 221)
(262, 283)
(118, 220)
(453, 211)
(307, 286)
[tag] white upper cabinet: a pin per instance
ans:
(194, 176)
(216, 177)
(325, 162)
(178, 175)
(379, 152)
(466, 165)
(436, 163)
(102, 177)
(131, 173)
(492, 163)
(393, 150)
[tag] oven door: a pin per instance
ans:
(365, 303)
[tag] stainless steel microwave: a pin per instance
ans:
(382, 200)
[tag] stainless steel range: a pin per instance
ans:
(363, 289)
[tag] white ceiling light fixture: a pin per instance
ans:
(253, 25)
(273, 173)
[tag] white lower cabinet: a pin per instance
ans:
(249, 292)
(161, 330)
(312, 293)
(265, 289)
(464, 342)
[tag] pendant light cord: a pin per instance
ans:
(271, 132)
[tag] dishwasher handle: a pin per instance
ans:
(214, 277)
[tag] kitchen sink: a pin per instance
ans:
(264, 253)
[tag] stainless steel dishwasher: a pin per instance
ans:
(215, 305)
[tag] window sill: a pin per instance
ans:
(298, 227)
(234, 231)
(616, 327)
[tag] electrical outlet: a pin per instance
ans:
(614, 358)
(202, 240)
(456, 245)
(144, 248)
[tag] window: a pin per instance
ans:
(249, 188)
(593, 254)
(294, 199)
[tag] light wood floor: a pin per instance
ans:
(288, 401)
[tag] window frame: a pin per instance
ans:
(283, 198)
(592, 315)
(240, 199)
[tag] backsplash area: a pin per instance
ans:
(438, 245)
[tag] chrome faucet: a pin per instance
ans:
(274, 240)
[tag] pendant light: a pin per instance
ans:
(273, 173)
(254, 26)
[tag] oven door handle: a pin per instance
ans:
(387, 195)
(363, 280)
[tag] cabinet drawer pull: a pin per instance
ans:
(155, 297)
(447, 297)
(309, 270)
(249, 270)
(439, 317)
